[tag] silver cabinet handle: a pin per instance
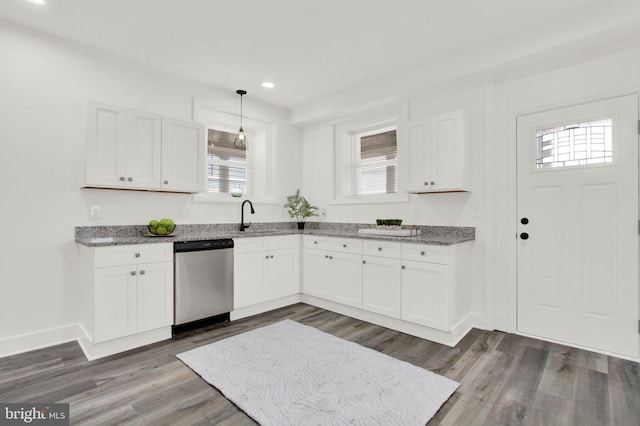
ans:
(379, 248)
(344, 245)
(122, 178)
(271, 256)
(421, 253)
(364, 262)
(142, 272)
(266, 257)
(137, 255)
(133, 273)
(315, 242)
(330, 257)
(166, 182)
(130, 179)
(403, 267)
(426, 184)
(433, 183)
(326, 256)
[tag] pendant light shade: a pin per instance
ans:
(241, 139)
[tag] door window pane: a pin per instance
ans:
(577, 144)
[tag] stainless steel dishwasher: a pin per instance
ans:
(203, 283)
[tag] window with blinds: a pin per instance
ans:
(226, 163)
(377, 168)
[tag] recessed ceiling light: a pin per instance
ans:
(38, 2)
(268, 85)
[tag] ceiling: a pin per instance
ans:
(312, 49)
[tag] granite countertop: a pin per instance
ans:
(98, 236)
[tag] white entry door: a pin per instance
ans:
(578, 225)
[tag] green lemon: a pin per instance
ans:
(154, 224)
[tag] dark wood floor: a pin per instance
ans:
(505, 379)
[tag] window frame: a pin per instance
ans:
(246, 165)
(261, 154)
(347, 156)
(358, 165)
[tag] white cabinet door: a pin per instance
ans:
(419, 152)
(114, 302)
(316, 274)
(249, 274)
(154, 296)
(381, 285)
(437, 158)
(346, 282)
(106, 145)
(447, 165)
(282, 274)
(425, 294)
(143, 150)
(183, 153)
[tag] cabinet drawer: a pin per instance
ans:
(346, 245)
(283, 242)
(133, 254)
(425, 253)
(250, 244)
(314, 242)
(382, 248)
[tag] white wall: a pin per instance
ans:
(598, 79)
(491, 109)
(44, 88)
(450, 209)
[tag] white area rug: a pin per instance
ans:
(291, 374)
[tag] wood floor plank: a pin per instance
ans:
(505, 379)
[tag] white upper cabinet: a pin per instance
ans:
(183, 149)
(437, 154)
(143, 150)
(106, 147)
(139, 150)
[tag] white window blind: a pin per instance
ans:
(227, 164)
(377, 170)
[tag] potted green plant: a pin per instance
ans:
(300, 208)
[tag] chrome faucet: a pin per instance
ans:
(242, 224)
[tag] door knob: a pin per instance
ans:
(524, 221)
(524, 236)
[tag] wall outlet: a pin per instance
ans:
(94, 213)
(475, 212)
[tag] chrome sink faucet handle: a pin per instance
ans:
(244, 226)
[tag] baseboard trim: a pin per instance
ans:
(265, 307)
(443, 337)
(40, 339)
(99, 350)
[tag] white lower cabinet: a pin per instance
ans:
(333, 271)
(345, 272)
(421, 284)
(132, 290)
(425, 294)
(265, 268)
(381, 288)
(316, 281)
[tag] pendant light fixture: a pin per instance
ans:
(241, 139)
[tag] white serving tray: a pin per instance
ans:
(390, 232)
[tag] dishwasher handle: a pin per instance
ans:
(201, 245)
